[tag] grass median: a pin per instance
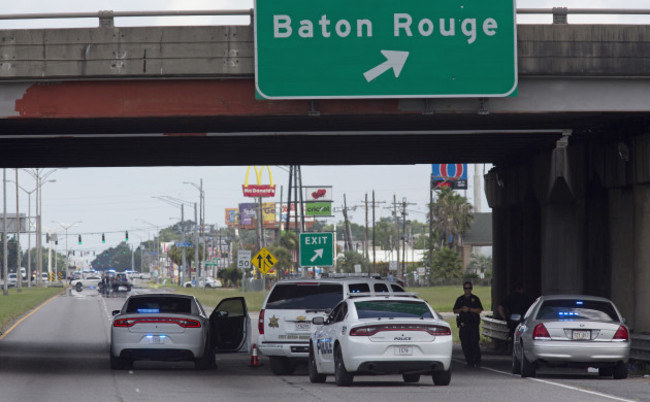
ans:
(16, 304)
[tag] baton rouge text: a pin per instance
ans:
(403, 25)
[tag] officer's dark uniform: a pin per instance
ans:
(468, 325)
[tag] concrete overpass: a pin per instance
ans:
(570, 188)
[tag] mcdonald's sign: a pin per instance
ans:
(259, 189)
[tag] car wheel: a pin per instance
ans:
(442, 377)
(78, 287)
(516, 364)
(605, 371)
(207, 361)
(341, 375)
(527, 368)
(314, 376)
(280, 365)
(620, 371)
(188, 285)
(411, 377)
(116, 363)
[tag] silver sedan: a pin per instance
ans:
(176, 327)
(573, 331)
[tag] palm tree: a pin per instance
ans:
(452, 216)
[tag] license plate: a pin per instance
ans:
(403, 350)
(303, 326)
(156, 340)
(121, 288)
(582, 335)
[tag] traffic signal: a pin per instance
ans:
(103, 238)
(80, 240)
(127, 235)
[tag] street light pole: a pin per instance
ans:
(201, 222)
(67, 257)
(179, 203)
(29, 233)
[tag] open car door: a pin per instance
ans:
(230, 326)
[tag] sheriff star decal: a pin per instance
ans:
(273, 322)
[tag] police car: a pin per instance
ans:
(285, 320)
(381, 335)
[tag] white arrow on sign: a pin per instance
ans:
(317, 254)
(394, 59)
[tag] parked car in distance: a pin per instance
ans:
(574, 331)
(12, 279)
(207, 283)
(381, 335)
(176, 327)
(90, 281)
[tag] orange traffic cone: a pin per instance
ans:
(255, 361)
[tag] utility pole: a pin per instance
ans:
(348, 231)
(404, 204)
(374, 204)
(19, 273)
(396, 227)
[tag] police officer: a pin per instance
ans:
(516, 302)
(469, 307)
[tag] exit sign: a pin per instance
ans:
(385, 48)
(316, 249)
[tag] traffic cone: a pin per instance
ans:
(255, 361)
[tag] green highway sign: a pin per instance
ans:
(316, 249)
(385, 48)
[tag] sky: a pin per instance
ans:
(93, 201)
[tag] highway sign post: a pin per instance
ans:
(316, 249)
(385, 49)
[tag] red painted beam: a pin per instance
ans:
(170, 98)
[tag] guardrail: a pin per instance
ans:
(495, 329)
(498, 330)
(106, 16)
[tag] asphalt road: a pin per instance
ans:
(60, 353)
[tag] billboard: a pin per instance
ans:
(318, 193)
(449, 175)
(268, 213)
(318, 209)
(232, 217)
(247, 215)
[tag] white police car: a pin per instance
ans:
(381, 335)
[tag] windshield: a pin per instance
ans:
(573, 309)
(392, 309)
(309, 296)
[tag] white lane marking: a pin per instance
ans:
(557, 384)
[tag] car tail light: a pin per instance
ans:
(436, 330)
(260, 323)
(540, 332)
(621, 334)
(181, 322)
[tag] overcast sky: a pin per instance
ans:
(113, 200)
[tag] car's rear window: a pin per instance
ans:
(359, 288)
(573, 309)
(307, 296)
(152, 305)
(392, 309)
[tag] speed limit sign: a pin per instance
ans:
(244, 259)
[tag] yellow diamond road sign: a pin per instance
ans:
(264, 261)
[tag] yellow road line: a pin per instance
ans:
(27, 316)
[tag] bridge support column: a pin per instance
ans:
(642, 257)
(621, 249)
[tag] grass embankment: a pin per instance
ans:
(15, 304)
(441, 298)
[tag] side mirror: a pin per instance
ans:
(116, 312)
(515, 317)
(222, 314)
(318, 320)
(623, 320)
